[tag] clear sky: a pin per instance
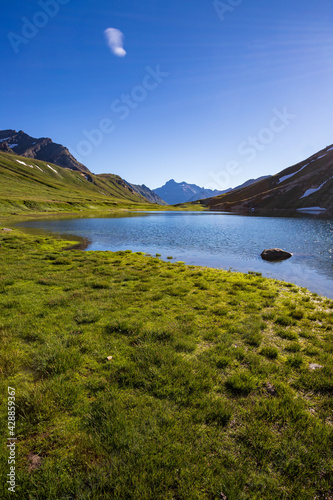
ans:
(213, 93)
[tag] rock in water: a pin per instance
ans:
(275, 254)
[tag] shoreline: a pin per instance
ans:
(295, 274)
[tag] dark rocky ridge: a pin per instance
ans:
(43, 149)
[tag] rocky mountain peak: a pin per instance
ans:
(43, 149)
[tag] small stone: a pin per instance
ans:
(271, 389)
(314, 366)
(35, 461)
(109, 358)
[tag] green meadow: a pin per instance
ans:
(141, 379)
(31, 186)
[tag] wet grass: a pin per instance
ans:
(208, 389)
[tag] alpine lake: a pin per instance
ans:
(211, 239)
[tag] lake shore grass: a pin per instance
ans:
(141, 379)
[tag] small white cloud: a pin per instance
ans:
(115, 40)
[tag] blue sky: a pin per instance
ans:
(213, 93)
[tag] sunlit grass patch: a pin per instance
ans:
(286, 334)
(270, 352)
(241, 383)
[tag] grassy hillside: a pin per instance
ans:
(39, 186)
(145, 380)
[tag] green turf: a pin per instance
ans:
(209, 391)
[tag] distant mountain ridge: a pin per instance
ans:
(181, 192)
(306, 186)
(43, 149)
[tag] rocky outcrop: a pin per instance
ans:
(5, 148)
(275, 254)
(43, 149)
(148, 193)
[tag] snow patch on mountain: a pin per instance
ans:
(285, 177)
(314, 190)
(54, 170)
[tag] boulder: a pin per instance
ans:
(274, 254)
(6, 229)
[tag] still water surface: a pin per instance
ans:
(216, 240)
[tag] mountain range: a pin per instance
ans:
(306, 186)
(44, 149)
(181, 192)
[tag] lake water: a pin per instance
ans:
(214, 239)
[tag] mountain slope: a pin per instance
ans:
(40, 149)
(148, 193)
(250, 182)
(206, 193)
(181, 192)
(46, 150)
(33, 184)
(306, 185)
